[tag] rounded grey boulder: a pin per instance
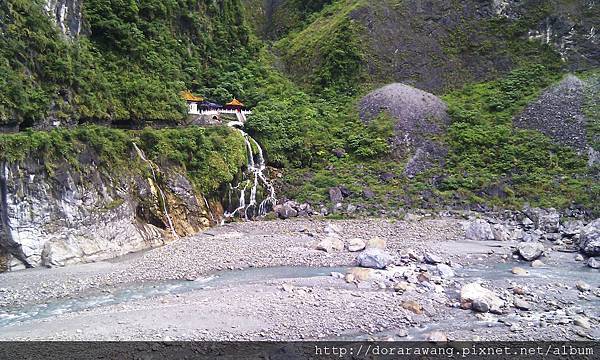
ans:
(590, 239)
(374, 258)
(417, 116)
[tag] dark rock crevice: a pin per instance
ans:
(6, 239)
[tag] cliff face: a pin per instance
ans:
(88, 200)
(72, 217)
(438, 45)
(67, 14)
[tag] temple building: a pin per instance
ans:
(234, 104)
(192, 101)
(197, 105)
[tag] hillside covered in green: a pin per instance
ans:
(303, 66)
(130, 62)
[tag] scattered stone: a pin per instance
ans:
(530, 250)
(437, 336)
(537, 264)
(285, 211)
(479, 230)
(413, 306)
(445, 271)
(361, 274)
(548, 221)
(519, 271)
(500, 232)
(480, 306)
(473, 292)
(518, 290)
(350, 278)
(356, 244)
(594, 263)
(337, 275)
(376, 243)
(374, 258)
(432, 259)
(527, 222)
(332, 230)
(402, 333)
(368, 194)
(330, 244)
(572, 228)
(401, 287)
(590, 239)
(582, 286)
(522, 304)
(582, 322)
(339, 152)
(579, 257)
(335, 195)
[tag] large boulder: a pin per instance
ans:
(483, 298)
(374, 258)
(545, 220)
(418, 116)
(286, 210)
(530, 250)
(572, 228)
(330, 244)
(590, 239)
(479, 230)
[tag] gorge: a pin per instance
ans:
(299, 170)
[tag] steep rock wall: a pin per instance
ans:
(63, 215)
(67, 15)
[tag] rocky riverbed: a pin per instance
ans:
(297, 279)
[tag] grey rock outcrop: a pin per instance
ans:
(559, 114)
(67, 15)
(417, 117)
(479, 230)
(374, 258)
(530, 250)
(590, 239)
(73, 216)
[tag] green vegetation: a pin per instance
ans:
(132, 66)
(134, 58)
(490, 162)
(327, 57)
(211, 157)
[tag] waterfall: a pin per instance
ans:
(160, 192)
(257, 177)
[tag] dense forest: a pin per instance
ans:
(303, 66)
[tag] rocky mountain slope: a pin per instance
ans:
(89, 198)
(439, 45)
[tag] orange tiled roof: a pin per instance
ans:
(235, 102)
(187, 95)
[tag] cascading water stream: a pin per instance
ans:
(160, 192)
(256, 170)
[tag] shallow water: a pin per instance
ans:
(153, 289)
